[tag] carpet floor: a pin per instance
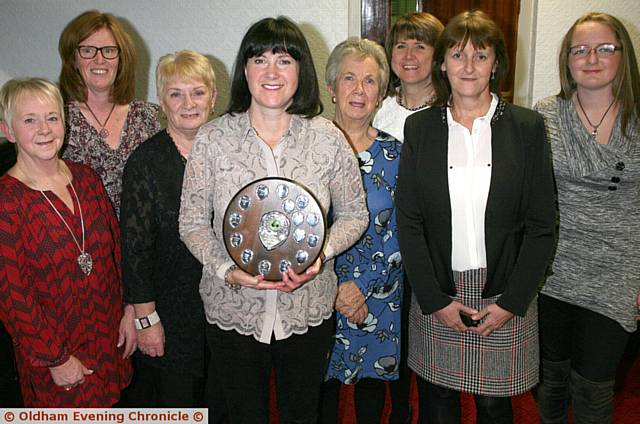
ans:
(627, 401)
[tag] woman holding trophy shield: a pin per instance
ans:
(271, 130)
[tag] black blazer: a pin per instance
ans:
(520, 213)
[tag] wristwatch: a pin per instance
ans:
(146, 322)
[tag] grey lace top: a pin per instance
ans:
(227, 155)
(597, 263)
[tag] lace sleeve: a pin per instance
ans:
(350, 213)
(196, 206)
(139, 230)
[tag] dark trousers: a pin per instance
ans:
(443, 406)
(244, 365)
(592, 342)
(369, 397)
(399, 389)
(154, 387)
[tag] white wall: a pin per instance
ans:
(29, 31)
(542, 25)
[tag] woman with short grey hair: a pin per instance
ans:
(357, 48)
(367, 339)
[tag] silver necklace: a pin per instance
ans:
(84, 259)
(594, 132)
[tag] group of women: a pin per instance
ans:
(429, 180)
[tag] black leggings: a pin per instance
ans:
(592, 342)
(369, 397)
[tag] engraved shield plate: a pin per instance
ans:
(272, 224)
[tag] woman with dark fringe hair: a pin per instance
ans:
(409, 49)
(476, 220)
(271, 129)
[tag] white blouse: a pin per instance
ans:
(469, 172)
(391, 116)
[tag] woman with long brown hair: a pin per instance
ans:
(97, 79)
(589, 304)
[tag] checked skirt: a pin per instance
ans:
(503, 364)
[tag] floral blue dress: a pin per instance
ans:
(372, 349)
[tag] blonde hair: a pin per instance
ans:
(15, 90)
(187, 64)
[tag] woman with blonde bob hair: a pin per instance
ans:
(60, 287)
(161, 277)
(105, 123)
(589, 304)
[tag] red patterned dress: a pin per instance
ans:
(50, 308)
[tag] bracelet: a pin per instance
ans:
(147, 321)
(227, 279)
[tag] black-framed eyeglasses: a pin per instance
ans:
(615, 179)
(89, 52)
(602, 50)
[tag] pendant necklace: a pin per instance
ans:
(104, 133)
(594, 132)
(84, 259)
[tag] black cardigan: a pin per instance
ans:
(519, 218)
(156, 265)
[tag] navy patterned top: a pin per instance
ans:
(372, 349)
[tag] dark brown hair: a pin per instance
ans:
(476, 27)
(277, 35)
(421, 26)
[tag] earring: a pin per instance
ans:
(333, 100)
(377, 103)
(493, 75)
